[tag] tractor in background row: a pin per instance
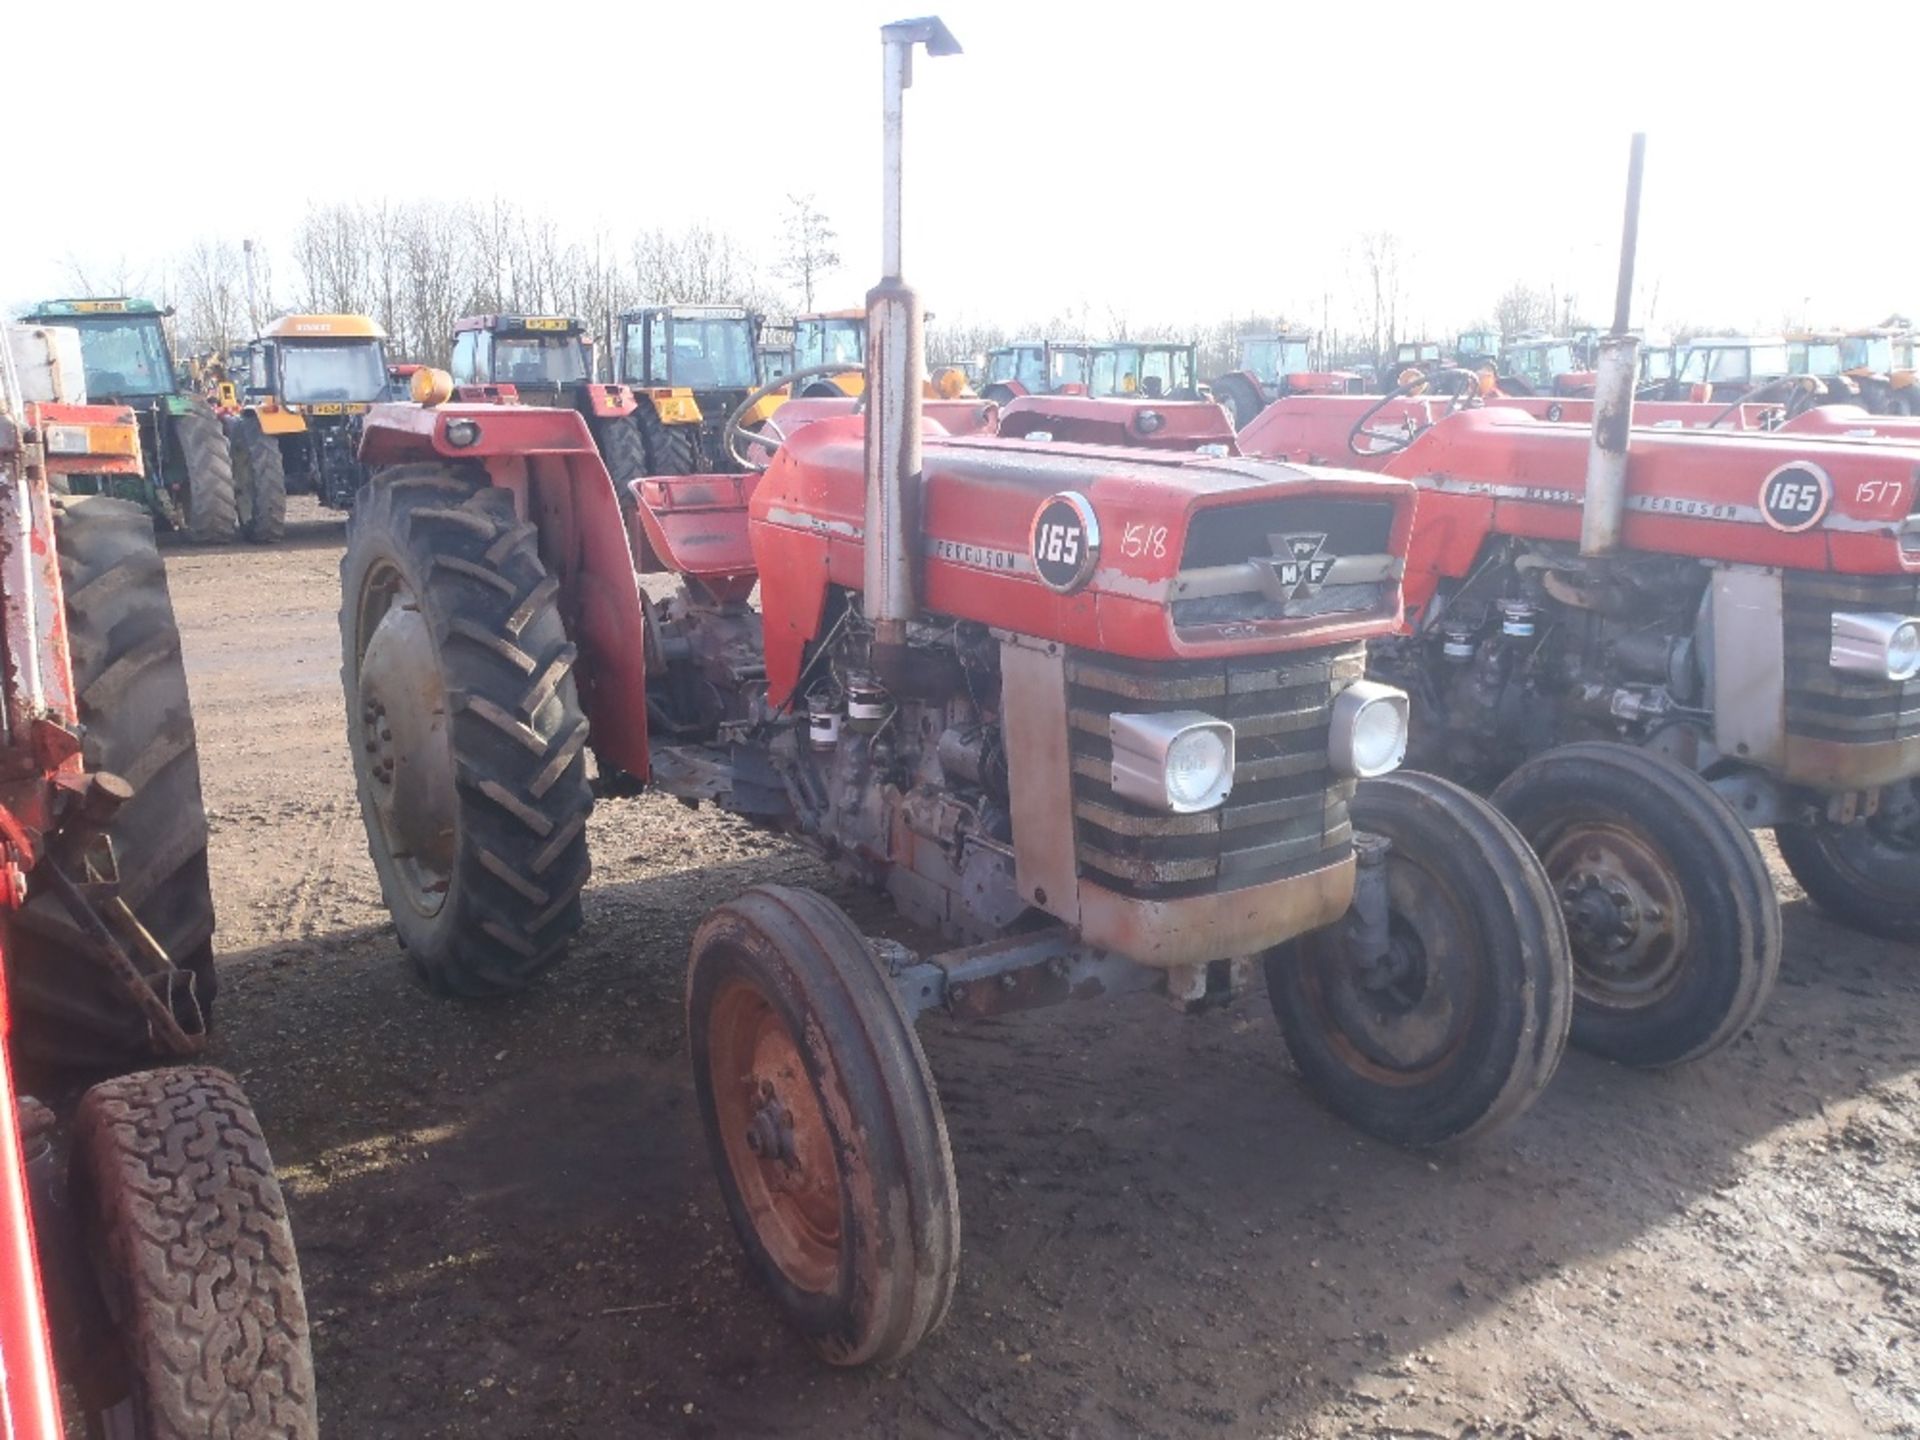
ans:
(1094, 720)
(1858, 368)
(144, 1233)
(672, 354)
(1155, 369)
(1275, 365)
(303, 390)
(187, 482)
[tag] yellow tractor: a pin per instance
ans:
(303, 391)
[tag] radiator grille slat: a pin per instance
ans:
(1287, 813)
(1828, 704)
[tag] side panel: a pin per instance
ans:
(1749, 666)
(1033, 717)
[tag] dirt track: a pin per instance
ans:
(509, 1228)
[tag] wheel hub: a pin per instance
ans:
(406, 743)
(1625, 914)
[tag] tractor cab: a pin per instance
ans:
(1857, 367)
(1016, 369)
(1270, 357)
(533, 358)
(708, 351)
(304, 386)
(123, 344)
(775, 350)
(1534, 365)
(1143, 370)
(1275, 365)
(1476, 348)
(1728, 366)
(1416, 355)
(832, 337)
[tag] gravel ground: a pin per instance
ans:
(509, 1227)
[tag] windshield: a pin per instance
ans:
(1270, 359)
(1066, 367)
(1867, 352)
(1729, 363)
(1656, 365)
(709, 353)
(124, 356)
(829, 342)
(1542, 362)
(1822, 357)
(316, 372)
(538, 359)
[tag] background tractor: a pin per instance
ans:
(1275, 365)
(144, 1233)
(1857, 368)
(670, 355)
(1720, 367)
(187, 482)
(1093, 720)
(305, 386)
(545, 360)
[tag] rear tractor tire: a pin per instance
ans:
(1239, 398)
(824, 1124)
(259, 482)
(201, 451)
(466, 729)
(1674, 924)
(669, 449)
(624, 454)
(1865, 875)
(1461, 1024)
(187, 1230)
(131, 684)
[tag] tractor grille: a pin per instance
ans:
(1828, 704)
(1290, 559)
(1287, 813)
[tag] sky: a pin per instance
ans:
(1139, 164)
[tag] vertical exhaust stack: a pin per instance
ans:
(896, 359)
(1616, 374)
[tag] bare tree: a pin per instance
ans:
(211, 290)
(807, 250)
(1522, 309)
(1379, 256)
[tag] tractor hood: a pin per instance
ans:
(1128, 551)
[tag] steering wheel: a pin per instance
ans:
(770, 438)
(1802, 392)
(1393, 441)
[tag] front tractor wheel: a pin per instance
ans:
(824, 1124)
(1461, 1022)
(1865, 875)
(259, 482)
(1674, 924)
(187, 1230)
(465, 728)
(200, 458)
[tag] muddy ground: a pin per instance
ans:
(509, 1228)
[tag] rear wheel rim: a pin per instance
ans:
(1404, 1019)
(404, 740)
(1626, 914)
(779, 1148)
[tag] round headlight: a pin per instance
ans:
(1149, 422)
(1379, 738)
(1197, 769)
(1903, 651)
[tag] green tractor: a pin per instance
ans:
(129, 360)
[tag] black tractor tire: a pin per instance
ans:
(824, 1124)
(474, 671)
(200, 449)
(1671, 913)
(1240, 398)
(1464, 1026)
(1865, 875)
(131, 685)
(187, 1230)
(624, 454)
(259, 482)
(669, 449)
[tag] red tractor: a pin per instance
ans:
(1753, 634)
(148, 1263)
(1272, 366)
(1092, 719)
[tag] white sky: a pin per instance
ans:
(1171, 163)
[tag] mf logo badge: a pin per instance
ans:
(1065, 541)
(1795, 497)
(1299, 565)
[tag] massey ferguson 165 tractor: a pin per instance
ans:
(543, 360)
(188, 479)
(147, 1264)
(1093, 719)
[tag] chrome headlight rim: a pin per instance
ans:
(1352, 750)
(1146, 748)
(1882, 644)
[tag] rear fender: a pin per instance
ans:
(547, 459)
(609, 402)
(487, 394)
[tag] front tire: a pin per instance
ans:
(466, 730)
(131, 682)
(1462, 1024)
(1672, 916)
(1865, 875)
(668, 449)
(1240, 399)
(824, 1124)
(188, 1232)
(206, 464)
(259, 482)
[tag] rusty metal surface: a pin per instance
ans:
(1199, 928)
(1022, 972)
(1842, 765)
